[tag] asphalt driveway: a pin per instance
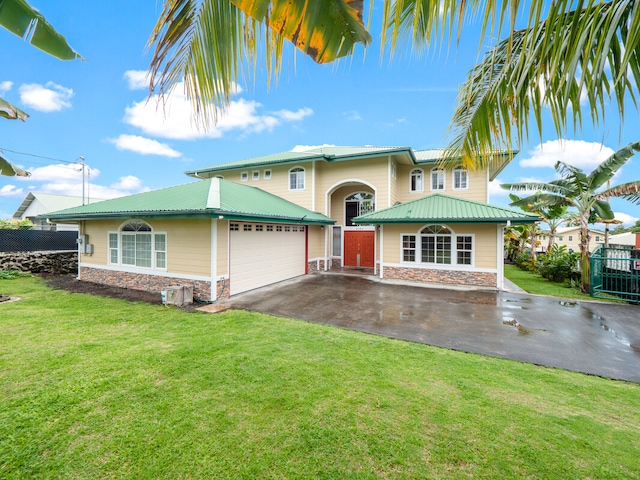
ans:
(589, 337)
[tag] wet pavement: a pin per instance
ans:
(595, 338)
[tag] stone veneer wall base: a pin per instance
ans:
(149, 283)
(445, 277)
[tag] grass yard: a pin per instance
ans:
(536, 284)
(93, 387)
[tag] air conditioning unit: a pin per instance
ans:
(178, 295)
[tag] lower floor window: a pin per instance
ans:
(437, 244)
(135, 244)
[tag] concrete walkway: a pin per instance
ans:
(589, 337)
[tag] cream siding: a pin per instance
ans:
(476, 191)
(222, 263)
(316, 241)
(372, 172)
(484, 242)
(188, 243)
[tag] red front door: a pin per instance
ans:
(359, 248)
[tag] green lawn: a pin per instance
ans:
(102, 388)
(536, 284)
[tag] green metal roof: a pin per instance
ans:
(336, 154)
(440, 208)
(204, 199)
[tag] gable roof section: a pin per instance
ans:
(49, 201)
(204, 199)
(440, 208)
(337, 154)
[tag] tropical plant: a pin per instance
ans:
(558, 264)
(585, 194)
(568, 49)
(7, 224)
(25, 21)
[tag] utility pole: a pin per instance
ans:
(83, 166)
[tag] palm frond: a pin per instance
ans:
(629, 191)
(548, 65)
(542, 187)
(603, 210)
(607, 169)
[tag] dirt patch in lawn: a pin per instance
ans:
(72, 284)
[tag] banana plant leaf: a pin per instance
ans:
(11, 112)
(9, 169)
(26, 22)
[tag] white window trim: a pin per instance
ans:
(244, 176)
(453, 178)
(255, 175)
(136, 268)
(454, 251)
(304, 179)
(266, 175)
(421, 190)
(444, 180)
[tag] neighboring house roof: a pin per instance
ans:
(440, 208)
(204, 199)
(47, 202)
(565, 230)
(337, 154)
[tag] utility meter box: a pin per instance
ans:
(178, 295)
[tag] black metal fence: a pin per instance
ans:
(36, 240)
(616, 272)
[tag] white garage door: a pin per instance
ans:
(262, 254)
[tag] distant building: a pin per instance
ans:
(629, 238)
(36, 204)
(570, 238)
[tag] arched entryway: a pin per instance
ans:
(353, 245)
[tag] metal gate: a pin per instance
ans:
(616, 271)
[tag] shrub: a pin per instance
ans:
(524, 261)
(559, 265)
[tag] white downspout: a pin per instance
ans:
(381, 250)
(214, 259)
(500, 257)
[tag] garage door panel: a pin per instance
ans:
(263, 257)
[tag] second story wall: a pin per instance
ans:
(408, 190)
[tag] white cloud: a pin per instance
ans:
(581, 154)
(48, 98)
(626, 219)
(64, 179)
(495, 190)
(173, 118)
(289, 116)
(352, 115)
(11, 191)
(5, 86)
(137, 79)
(144, 146)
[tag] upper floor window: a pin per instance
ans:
(437, 179)
(255, 175)
(137, 245)
(417, 180)
(358, 204)
(267, 174)
(296, 178)
(460, 178)
(244, 176)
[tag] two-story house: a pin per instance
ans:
(251, 223)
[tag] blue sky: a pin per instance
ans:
(98, 110)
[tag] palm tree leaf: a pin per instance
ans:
(607, 169)
(10, 169)
(11, 112)
(21, 19)
(629, 191)
(587, 46)
(541, 187)
(603, 210)
(324, 29)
